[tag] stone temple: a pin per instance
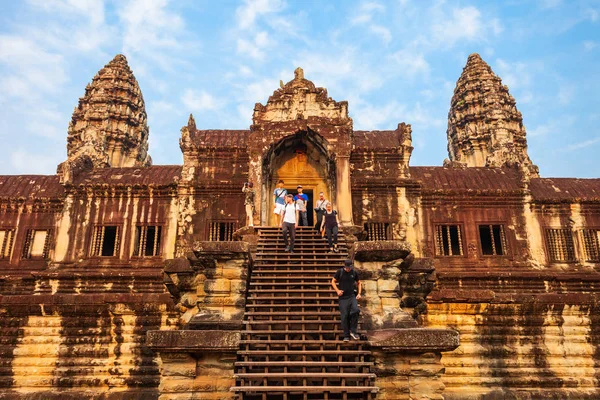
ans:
(120, 279)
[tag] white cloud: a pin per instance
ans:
(582, 145)
(24, 161)
(383, 32)
(200, 101)
(410, 63)
(90, 9)
(387, 116)
(525, 98)
(370, 117)
(547, 4)
(148, 24)
(153, 34)
(247, 13)
(365, 12)
(31, 67)
(589, 45)
(566, 93)
(463, 24)
(245, 71)
(497, 27)
(156, 108)
(592, 14)
(561, 124)
(517, 76)
(254, 48)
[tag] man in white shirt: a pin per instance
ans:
(289, 222)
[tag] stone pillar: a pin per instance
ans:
(344, 193)
(195, 364)
(408, 362)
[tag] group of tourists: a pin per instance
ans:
(292, 211)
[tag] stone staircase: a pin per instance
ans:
(292, 344)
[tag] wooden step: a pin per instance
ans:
(293, 332)
(303, 298)
(303, 342)
(328, 283)
(306, 389)
(315, 375)
(304, 352)
(315, 364)
(293, 313)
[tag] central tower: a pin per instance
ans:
(302, 126)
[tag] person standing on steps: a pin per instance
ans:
(343, 283)
(330, 224)
(301, 201)
(279, 200)
(249, 202)
(320, 210)
(289, 222)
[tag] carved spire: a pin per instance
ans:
(298, 73)
(191, 122)
(484, 126)
(109, 124)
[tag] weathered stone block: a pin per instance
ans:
(386, 250)
(217, 286)
(387, 288)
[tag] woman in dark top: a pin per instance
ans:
(330, 223)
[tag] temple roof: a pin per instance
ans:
(377, 139)
(158, 175)
(467, 179)
(562, 189)
(505, 180)
(215, 138)
(31, 186)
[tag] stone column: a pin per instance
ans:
(255, 176)
(343, 190)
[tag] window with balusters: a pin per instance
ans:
(560, 245)
(591, 244)
(493, 240)
(449, 241)
(221, 231)
(106, 241)
(147, 241)
(377, 231)
(37, 243)
(6, 242)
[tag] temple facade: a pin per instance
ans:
(121, 279)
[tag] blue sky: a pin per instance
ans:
(394, 61)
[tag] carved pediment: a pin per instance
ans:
(300, 99)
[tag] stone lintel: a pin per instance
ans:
(194, 341)
(384, 250)
(414, 340)
(205, 247)
(210, 322)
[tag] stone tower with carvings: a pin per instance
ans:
(109, 125)
(485, 129)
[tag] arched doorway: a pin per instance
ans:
(299, 159)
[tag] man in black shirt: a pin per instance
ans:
(343, 284)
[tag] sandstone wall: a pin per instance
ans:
(545, 347)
